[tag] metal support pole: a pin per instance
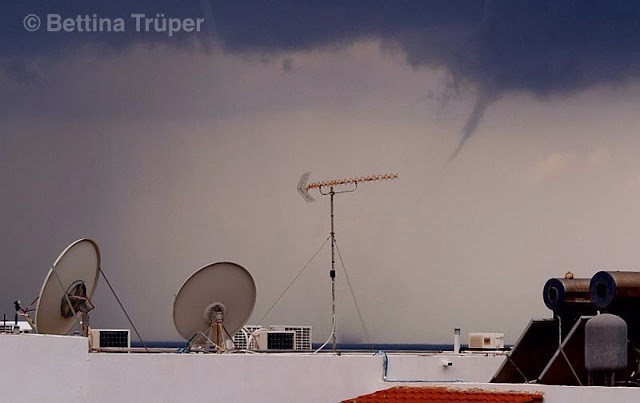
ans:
(332, 274)
(220, 344)
(84, 320)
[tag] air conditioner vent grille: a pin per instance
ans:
(110, 338)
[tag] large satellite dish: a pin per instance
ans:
(68, 288)
(215, 301)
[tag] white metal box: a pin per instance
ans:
(110, 338)
(487, 341)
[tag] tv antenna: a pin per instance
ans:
(327, 188)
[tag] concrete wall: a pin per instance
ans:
(269, 377)
(175, 378)
(38, 368)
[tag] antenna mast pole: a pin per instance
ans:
(304, 188)
(332, 273)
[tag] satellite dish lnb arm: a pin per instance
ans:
(24, 313)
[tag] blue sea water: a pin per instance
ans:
(328, 347)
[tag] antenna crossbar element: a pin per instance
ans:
(304, 187)
(349, 181)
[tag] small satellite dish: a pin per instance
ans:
(220, 296)
(68, 288)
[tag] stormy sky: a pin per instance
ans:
(512, 125)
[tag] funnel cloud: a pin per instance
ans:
(482, 102)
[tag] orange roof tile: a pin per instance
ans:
(444, 394)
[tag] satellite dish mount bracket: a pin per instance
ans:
(75, 301)
(214, 313)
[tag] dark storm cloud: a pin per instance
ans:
(538, 46)
(545, 48)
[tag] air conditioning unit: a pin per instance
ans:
(247, 337)
(110, 338)
(486, 341)
(303, 335)
(275, 339)
(243, 339)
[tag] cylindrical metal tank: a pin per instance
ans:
(609, 288)
(562, 293)
(605, 343)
